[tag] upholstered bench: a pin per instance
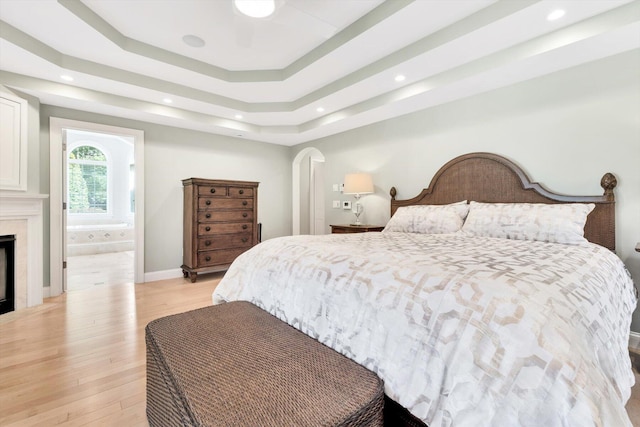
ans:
(236, 365)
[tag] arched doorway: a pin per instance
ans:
(308, 192)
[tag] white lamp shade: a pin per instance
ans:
(358, 183)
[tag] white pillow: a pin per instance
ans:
(428, 219)
(556, 223)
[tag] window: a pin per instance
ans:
(87, 180)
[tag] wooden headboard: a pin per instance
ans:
(489, 178)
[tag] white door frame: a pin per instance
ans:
(316, 196)
(56, 194)
(295, 184)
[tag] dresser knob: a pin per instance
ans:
(244, 203)
(207, 215)
(213, 190)
(207, 243)
(207, 228)
(244, 227)
(207, 258)
(245, 240)
(241, 191)
(208, 202)
(244, 215)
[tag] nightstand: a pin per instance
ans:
(348, 228)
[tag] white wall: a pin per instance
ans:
(566, 130)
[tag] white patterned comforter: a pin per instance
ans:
(464, 331)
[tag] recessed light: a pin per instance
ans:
(400, 78)
(167, 100)
(193, 41)
(556, 14)
(66, 78)
(238, 116)
(320, 109)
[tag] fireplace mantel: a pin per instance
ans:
(21, 215)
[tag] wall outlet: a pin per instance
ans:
(346, 204)
(336, 204)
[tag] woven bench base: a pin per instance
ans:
(236, 365)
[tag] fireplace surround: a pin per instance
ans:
(21, 216)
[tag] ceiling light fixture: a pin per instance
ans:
(320, 109)
(66, 78)
(238, 116)
(167, 101)
(193, 41)
(255, 8)
(400, 78)
(556, 14)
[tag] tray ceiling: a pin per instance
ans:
(313, 69)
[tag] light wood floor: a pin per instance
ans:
(87, 271)
(79, 359)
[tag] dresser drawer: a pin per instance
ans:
(224, 256)
(225, 241)
(245, 215)
(228, 228)
(212, 190)
(240, 192)
(207, 203)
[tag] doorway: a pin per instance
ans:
(100, 228)
(97, 214)
(308, 192)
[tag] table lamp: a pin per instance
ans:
(358, 184)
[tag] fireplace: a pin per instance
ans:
(7, 273)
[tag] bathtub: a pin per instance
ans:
(99, 238)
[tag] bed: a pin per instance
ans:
(467, 323)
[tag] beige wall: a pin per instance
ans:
(566, 130)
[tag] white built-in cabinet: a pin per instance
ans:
(13, 142)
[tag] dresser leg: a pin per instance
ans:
(193, 276)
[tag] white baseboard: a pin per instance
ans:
(152, 276)
(634, 341)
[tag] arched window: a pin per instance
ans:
(87, 180)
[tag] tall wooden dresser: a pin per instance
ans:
(220, 223)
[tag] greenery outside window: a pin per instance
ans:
(87, 181)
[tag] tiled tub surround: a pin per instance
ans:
(21, 215)
(99, 238)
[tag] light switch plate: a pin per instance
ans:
(336, 203)
(336, 188)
